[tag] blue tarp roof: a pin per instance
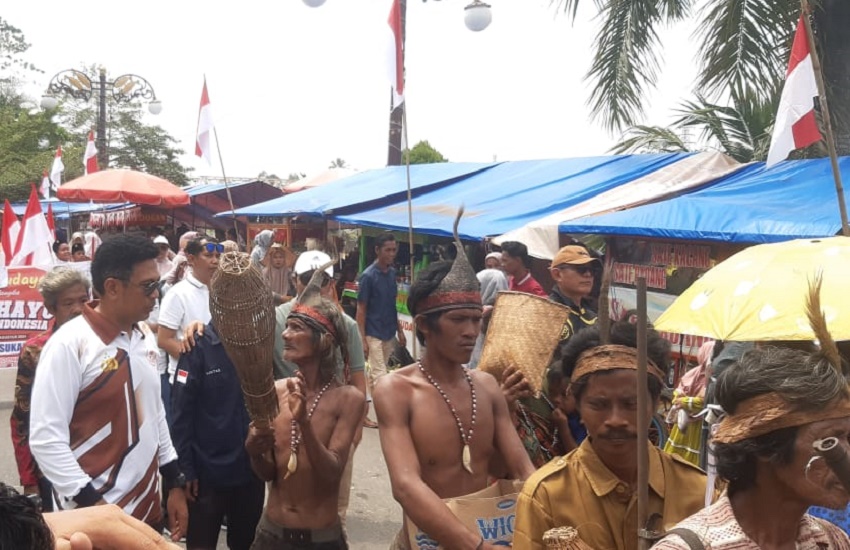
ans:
(62, 210)
(511, 194)
(365, 190)
(793, 199)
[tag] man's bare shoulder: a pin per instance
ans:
(396, 386)
(347, 394)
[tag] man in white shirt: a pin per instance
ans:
(188, 300)
(98, 427)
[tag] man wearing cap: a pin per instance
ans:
(163, 263)
(573, 269)
(594, 488)
(493, 260)
(441, 424)
(304, 267)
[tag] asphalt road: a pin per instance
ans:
(373, 516)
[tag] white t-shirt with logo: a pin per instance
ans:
(187, 301)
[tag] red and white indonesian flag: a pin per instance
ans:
(395, 59)
(35, 239)
(205, 126)
(45, 185)
(9, 237)
(57, 169)
(90, 156)
(796, 125)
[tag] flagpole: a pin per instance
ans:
(409, 202)
(827, 121)
(223, 175)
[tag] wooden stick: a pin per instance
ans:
(409, 210)
(827, 121)
(642, 420)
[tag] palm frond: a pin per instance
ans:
(650, 139)
(625, 62)
(569, 7)
(745, 44)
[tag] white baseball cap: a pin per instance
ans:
(160, 239)
(310, 260)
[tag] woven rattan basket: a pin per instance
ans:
(564, 538)
(243, 313)
(524, 332)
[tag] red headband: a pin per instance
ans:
(314, 315)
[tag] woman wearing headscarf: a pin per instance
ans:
(688, 401)
(277, 273)
(492, 282)
(262, 242)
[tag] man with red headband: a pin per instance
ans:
(305, 451)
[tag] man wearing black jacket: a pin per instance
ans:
(210, 424)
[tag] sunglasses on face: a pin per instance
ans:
(214, 247)
(580, 269)
(150, 287)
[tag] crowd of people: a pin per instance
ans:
(131, 400)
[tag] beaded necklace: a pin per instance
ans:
(466, 438)
(295, 434)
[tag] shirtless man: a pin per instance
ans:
(440, 424)
(305, 451)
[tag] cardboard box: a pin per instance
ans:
(489, 513)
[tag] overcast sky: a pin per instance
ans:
(294, 87)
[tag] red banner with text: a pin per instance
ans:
(22, 312)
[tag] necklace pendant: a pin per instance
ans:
(292, 465)
(467, 459)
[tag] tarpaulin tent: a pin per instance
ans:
(365, 190)
(511, 194)
(793, 199)
(541, 235)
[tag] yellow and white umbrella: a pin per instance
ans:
(760, 293)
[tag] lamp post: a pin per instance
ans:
(79, 85)
(477, 17)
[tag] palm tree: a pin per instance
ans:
(338, 163)
(744, 48)
(741, 131)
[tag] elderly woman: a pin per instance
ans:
(262, 242)
(778, 402)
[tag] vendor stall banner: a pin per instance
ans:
(22, 311)
(136, 216)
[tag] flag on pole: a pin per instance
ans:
(57, 169)
(34, 240)
(45, 185)
(796, 126)
(51, 223)
(9, 237)
(396, 55)
(205, 126)
(90, 156)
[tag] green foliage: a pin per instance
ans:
(423, 153)
(741, 131)
(338, 163)
(28, 139)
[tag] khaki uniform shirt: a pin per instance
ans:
(578, 490)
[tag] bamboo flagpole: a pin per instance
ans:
(205, 123)
(645, 538)
(827, 121)
(405, 146)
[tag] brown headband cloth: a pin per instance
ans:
(769, 412)
(612, 357)
(319, 321)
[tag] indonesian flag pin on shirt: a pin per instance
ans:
(182, 375)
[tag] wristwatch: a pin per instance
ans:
(178, 482)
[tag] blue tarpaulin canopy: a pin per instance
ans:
(365, 190)
(63, 210)
(793, 199)
(510, 195)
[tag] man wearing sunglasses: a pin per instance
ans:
(98, 428)
(573, 270)
(188, 300)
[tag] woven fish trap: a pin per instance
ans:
(242, 309)
(524, 332)
(564, 538)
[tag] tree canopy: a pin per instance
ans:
(423, 153)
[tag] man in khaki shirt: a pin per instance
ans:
(594, 488)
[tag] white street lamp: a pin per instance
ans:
(314, 3)
(48, 102)
(477, 16)
(155, 107)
